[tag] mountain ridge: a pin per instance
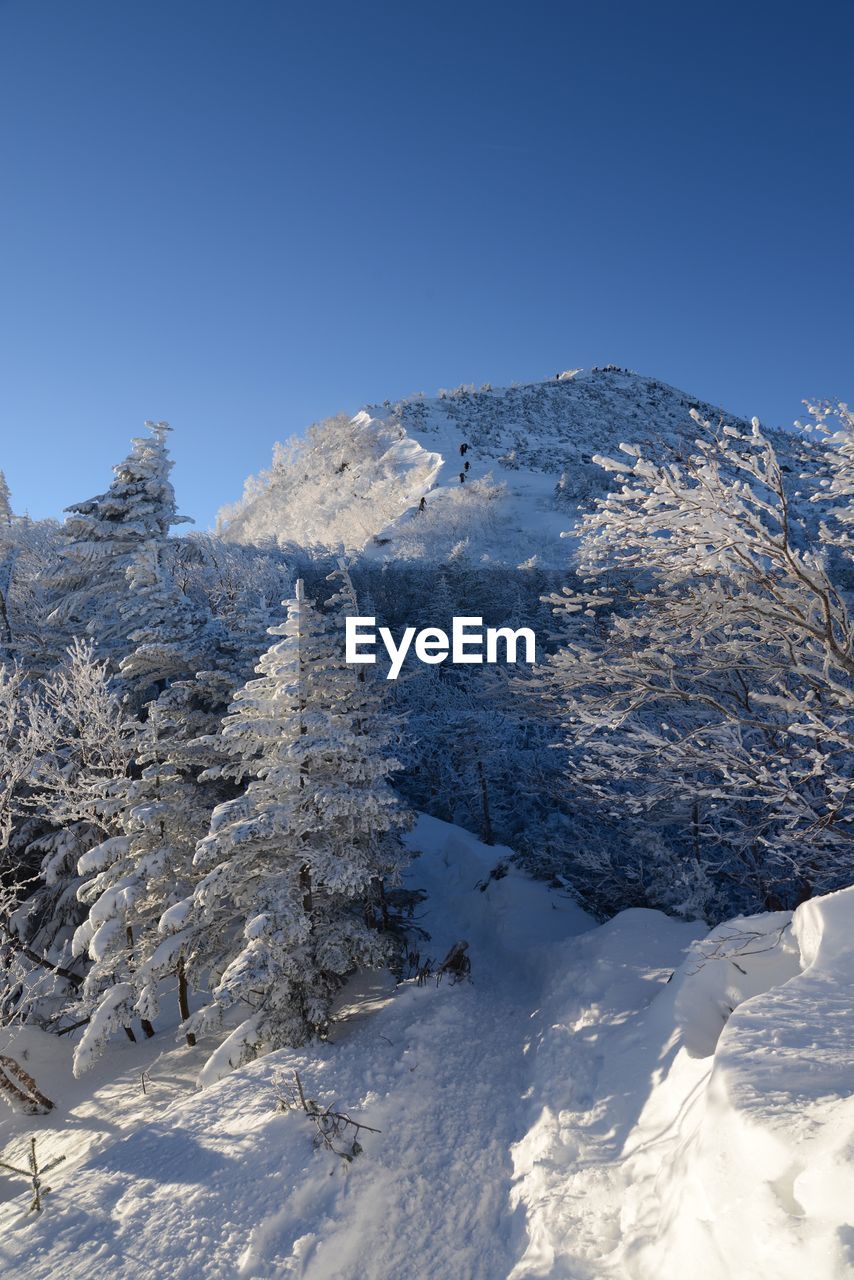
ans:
(492, 475)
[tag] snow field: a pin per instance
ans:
(636, 1100)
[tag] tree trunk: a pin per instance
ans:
(21, 1086)
(695, 830)
(147, 1028)
(305, 885)
(488, 837)
(5, 628)
(183, 1001)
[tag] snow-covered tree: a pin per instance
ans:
(28, 556)
(105, 534)
(179, 675)
(708, 680)
(278, 921)
(18, 747)
(146, 865)
(81, 770)
(68, 762)
(171, 636)
(834, 423)
(133, 878)
(5, 501)
(242, 587)
(76, 792)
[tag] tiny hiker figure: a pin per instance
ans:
(464, 448)
(422, 506)
(468, 464)
(462, 477)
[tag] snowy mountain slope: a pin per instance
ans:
(570, 1113)
(335, 487)
(502, 471)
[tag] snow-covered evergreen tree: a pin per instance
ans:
(104, 535)
(8, 555)
(278, 919)
(133, 878)
(28, 556)
(5, 501)
(172, 637)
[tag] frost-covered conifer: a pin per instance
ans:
(104, 534)
(134, 877)
(172, 637)
(278, 919)
(5, 501)
(28, 557)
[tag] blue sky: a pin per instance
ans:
(243, 217)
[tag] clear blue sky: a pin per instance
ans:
(243, 217)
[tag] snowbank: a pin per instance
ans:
(764, 1182)
(706, 1131)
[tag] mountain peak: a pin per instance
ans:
(492, 474)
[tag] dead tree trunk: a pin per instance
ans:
(21, 1089)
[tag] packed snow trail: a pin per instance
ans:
(435, 1198)
(600, 1049)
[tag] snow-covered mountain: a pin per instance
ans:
(494, 475)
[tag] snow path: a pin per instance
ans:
(570, 1167)
(488, 1096)
(435, 1201)
(436, 1197)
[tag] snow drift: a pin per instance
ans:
(708, 1131)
